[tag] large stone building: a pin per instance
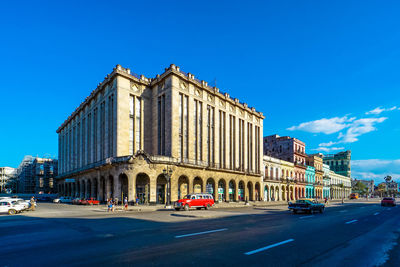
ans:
(340, 185)
(340, 162)
(132, 133)
(289, 149)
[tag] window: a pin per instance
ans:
(183, 126)
(102, 130)
(198, 129)
(232, 142)
(161, 125)
(111, 126)
(210, 134)
(134, 124)
(222, 139)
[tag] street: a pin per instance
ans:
(354, 234)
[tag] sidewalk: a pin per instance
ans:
(223, 205)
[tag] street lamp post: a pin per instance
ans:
(167, 174)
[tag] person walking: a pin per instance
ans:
(137, 201)
(109, 205)
(126, 203)
(32, 202)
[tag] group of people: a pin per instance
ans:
(112, 203)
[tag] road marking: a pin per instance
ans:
(305, 217)
(362, 207)
(353, 221)
(376, 213)
(388, 208)
(268, 247)
(202, 233)
(343, 211)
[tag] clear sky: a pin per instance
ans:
(326, 72)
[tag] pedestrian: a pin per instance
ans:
(126, 203)
(112, 205)
(109, 205)
(32, 202)
(137, 200)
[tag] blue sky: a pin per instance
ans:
(322, 71)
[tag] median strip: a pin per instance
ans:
(268, 247)
(202, 233)
(353, 221)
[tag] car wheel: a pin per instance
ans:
(321, 210)
(295, 211)
(177, 209)
(186, 207)
(208, 206)
(12, 212)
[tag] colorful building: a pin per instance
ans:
(310, 180)
(326, 182)
(315, 161)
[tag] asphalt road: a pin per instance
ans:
(357, 234)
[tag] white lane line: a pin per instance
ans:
(362, 207)
(202, 233)
(376, 213)
(305, 217)
(343, 211)
(268, 247)
(353, 221)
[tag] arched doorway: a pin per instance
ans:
(110, 187)
(277, 193)
(197, 185)
(221, 190)
(183, 186)
(89, 189)
(78, 189)
(241, 191)
(161, 189)
(103, 188)
(272, 194)
(250, 190)
(231, 190)
(283, 191)
(143, 188)
(210, 187)
(124, 184)
(95, 185)
(84, 189)
(257, 192)
(266, 195)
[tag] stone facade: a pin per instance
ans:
(118, 142)
(340, 186)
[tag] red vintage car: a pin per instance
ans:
(388, 201)
(90, 201)
(197, 200)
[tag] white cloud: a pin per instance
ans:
(328, 144)
(328, 149)
(358, 128)
(326, 126)
(379, 110)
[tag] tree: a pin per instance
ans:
(360, 188)
(381, 188)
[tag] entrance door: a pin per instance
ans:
(161, 194)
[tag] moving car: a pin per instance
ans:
(10, 206)
(92, 201)
(306, 205)
(388, 201)
(196, 200)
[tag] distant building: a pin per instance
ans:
(315, 161)
(6, 177)
(37, 175)
(370, 184)
(339, 162)
(292, 150)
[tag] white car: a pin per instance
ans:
(7, 206)
(26, 204)
(63, 200)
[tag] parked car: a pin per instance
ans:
(25, 204)
(197, 200)
(306, 205)
(7, 206)
(76, 201)
(388, 201)
(44, 199)
(92, 201)
(63, 200)
(354, 196)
